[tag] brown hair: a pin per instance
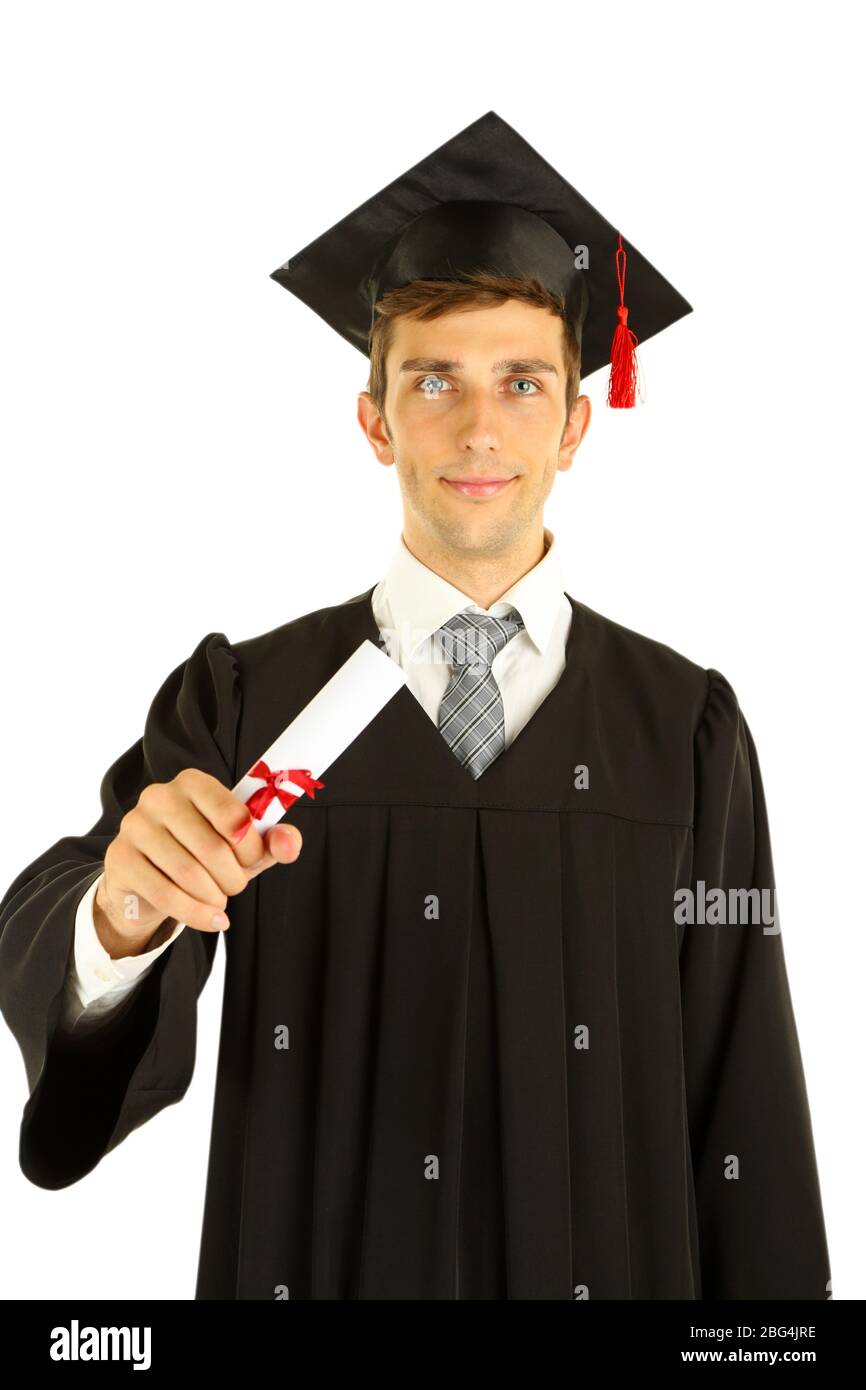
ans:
(429, 299)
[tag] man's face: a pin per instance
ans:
(475, 406)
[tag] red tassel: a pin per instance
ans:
(622, 386)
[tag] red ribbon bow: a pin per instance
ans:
(262, 797)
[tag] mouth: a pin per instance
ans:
(478, 487)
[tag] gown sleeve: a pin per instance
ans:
(87, 1094)
(760, 1222)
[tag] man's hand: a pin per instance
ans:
(181, 852)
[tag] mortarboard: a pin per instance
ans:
(487, 200)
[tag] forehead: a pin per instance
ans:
(510, 329)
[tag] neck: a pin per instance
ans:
(483, 578)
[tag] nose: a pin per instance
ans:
(477, 426)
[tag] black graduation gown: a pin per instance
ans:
(509, 1072)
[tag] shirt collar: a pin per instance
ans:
(420, 600)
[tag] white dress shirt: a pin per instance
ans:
(409, 605)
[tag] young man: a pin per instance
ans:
(471, 1046)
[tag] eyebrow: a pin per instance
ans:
(448, 364)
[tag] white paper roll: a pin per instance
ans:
(325, 727)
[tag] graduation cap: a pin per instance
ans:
(486, 200)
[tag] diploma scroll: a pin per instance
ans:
(292, 766)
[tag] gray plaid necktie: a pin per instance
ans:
(471, 716)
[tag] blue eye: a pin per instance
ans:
(524, 381)
(429, 391)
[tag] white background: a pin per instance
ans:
(181, 454)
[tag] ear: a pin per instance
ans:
(374, 425)
(575, 429)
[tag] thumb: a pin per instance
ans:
(282, 846)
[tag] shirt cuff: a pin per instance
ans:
(95, 974)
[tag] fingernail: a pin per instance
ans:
(239, 834)
(219, 921)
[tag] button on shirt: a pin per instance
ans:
(410, 604)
